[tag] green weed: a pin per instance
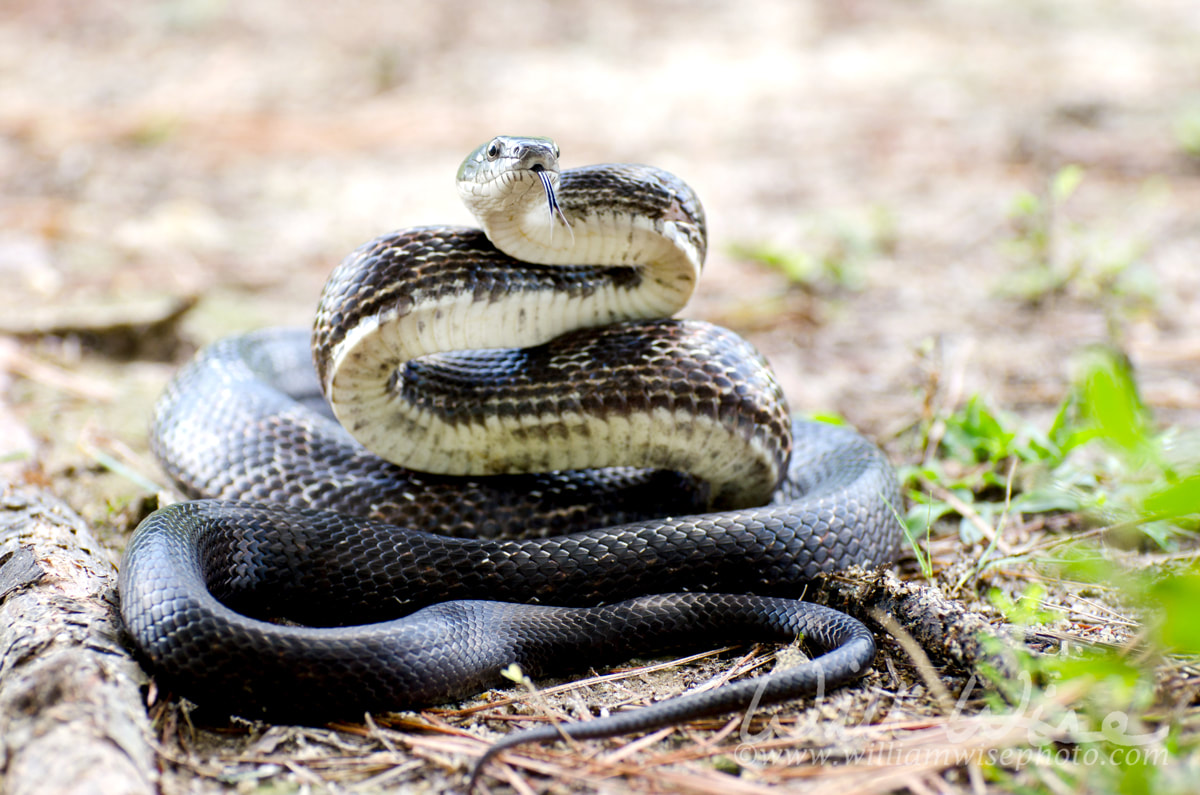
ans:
(836, 253)
(154, 130)
(1054, 256)
(1100, 719)
(1100, 458)
(1103, 719)
(1187, 131)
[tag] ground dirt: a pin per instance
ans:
(174, 171)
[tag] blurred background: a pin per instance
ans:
(908, 202)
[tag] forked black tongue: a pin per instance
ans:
(551, 198)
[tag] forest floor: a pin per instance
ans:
(909, 205)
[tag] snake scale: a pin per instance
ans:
(494, 447)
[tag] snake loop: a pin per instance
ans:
(514, 380)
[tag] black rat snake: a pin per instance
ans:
(504, 417)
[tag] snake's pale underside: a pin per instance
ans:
(496, 447)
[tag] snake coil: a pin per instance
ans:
(468, 386)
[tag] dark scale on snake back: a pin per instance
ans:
(255, 382)
(392, 273)
(626, 360)
(611, 185)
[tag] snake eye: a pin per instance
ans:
(493, 150)
(556, 150)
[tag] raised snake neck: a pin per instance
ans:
(245, 421)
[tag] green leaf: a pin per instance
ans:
(1176, 598)
(1114, 669)
(922, 514)
(827, 418)
(797, 266)
(1111, 401)
(975, 434)
(1087, 564)
(1048, 499)
(1179, 499)
(1026, 609)
(1025, 204)
(1065, 182)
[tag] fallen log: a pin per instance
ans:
(72, 718)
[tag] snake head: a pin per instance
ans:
(500, 175)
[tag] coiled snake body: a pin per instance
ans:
(506, 388)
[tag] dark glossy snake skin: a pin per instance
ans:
(246, 421)
(195, 572)
(305, 525)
